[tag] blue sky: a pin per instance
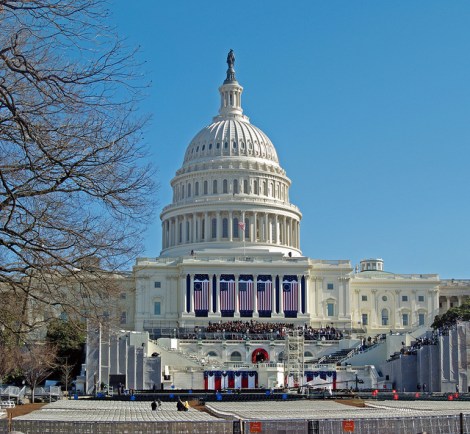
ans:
(366, 102)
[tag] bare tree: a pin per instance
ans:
(8, 355)
(36, 363)
(66, 371)
(74, 187)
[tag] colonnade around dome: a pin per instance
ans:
(231, 226)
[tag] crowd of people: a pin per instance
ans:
(252, 329)
(407, 350)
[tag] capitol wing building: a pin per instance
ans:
(231, 265)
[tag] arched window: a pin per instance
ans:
(182, 192)
(187, 231)
(235, 186)
(225, 186)
(212, 353)
(384, 317)
(247, 229)
(225, 228)
(180, 232)
(245, 186)
(308, 354)
(203, 229)
(265, 188)
(214, 228)
(280, 357)
(235, 228)
(255, 187)
(214, 186)
(205, 187)
(236, 357)
(189, 190)
(196, 189)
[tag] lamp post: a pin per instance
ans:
(358, 381)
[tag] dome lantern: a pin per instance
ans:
(230, 94)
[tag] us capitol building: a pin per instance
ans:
(231, 248)
(231, 251)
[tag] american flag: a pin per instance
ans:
(290, 291)
(241, 225)
(227, 295)
(245, 291)
(201, 295)
(264, 295)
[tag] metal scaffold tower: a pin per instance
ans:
(294, 358)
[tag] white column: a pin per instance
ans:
(191, 291)
(273, 294)
(219, 227)
(240, 232)
(230, 226)
(185, 235)
(266, 228)
(307, 295)
(276, 226)
(206, 227)
(255, 227)
(375, 313)
(194, 234)
(398, 320)
(284, 231)
(414, 316)
(237, 304)
(217, 292)
(255, 296)
(299, 298)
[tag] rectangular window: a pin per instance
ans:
(384, 317)
(330, 309)
(156, 308)
(123, 319)
(365, 319)
(420, 297)
(421, 319)
(330, 286)
(405, 319)
(123, 295)
(364, 298)
(404, 298)
(158, 284)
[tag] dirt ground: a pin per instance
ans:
(20, 410)
(352, 402)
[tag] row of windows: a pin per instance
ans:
(271, 189)
(421, 298)
(405, 318)
(225, 146)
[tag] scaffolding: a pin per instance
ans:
(294, 358)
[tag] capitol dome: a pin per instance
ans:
(230, 192)
(230, 138)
